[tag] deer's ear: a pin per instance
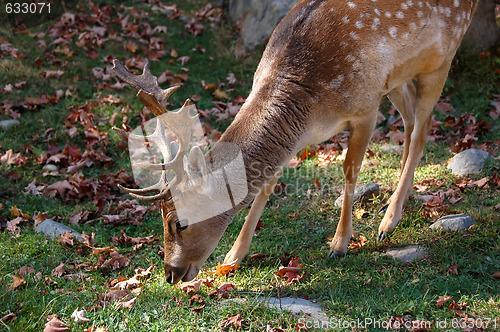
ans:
(196, 168)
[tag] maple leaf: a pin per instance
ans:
(396, 136)
(25, 270)
(290, 272)
(12, 225)
(17, 283)
(52, 73)
(220, 94)
(235, 322)
(116, 261)
(190, 287)
(442, 300)
(10, 158)
(55, 324)
(453, 269)
(58, 271)
(59, 187)
(358, 244)
(66, 239)
(224, 269)
(33, 189)
(115, 295)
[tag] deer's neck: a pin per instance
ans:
(267, 130)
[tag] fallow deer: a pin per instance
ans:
(327, 66)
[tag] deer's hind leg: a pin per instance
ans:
(429, 87)
(404, 98)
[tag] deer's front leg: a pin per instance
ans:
(361, 134)
(241, 246)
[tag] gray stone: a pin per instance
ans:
(258, 18)
(52, 229)
(407, 254)
(391, 148)
(363, 193)
(454, 222)
(7, 124)
(298, 306)
(468, 162)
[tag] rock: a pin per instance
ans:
(407, 254)
(392, 148)
(258, 18)
(50, 167)
(455, 222)
(7, 124)
(296, 306)
(363, 193)
(468, 162)
(53, 230)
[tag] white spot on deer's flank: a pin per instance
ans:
(350, 58)
(359, 24)
(345, 19)
(420, 14)
(376, 22)
(377, 11)
(393, 31)
(388, 15)
(404, 6)
(447, 11)
(343, 44)
(413, 26)
(336, 82)
(420, 4)
(354, 35)
(351, 4)
(400, 15)
(459, 18)
(456, 3)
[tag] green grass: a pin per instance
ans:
(365, 284)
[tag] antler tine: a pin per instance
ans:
(161, 187)
(146, 81)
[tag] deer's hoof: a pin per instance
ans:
(383, 209)
(336, 254)
(382, 235)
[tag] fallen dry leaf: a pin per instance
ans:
(199, 300)
(358, 244)
(290, 272)
(496, 275)
(18, 282)
(58, 271)
(8, 318)
(66, 239)
(116, 261)
(54, 324)
(190, 287)
(442, 300)
(224, 269)
(80, 316)
(235, 322)
(453, 269)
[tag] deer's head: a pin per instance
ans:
(198, 191)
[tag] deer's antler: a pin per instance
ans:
(180, 123)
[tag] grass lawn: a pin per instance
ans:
(63, 162)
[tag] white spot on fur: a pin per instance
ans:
(420, 4)
(456, 3)
(406, 35)
(413, 26)
(351, 4)
(459, 18)
(376, 23)
(343, 44)
(356, 65)
(388, 15)
(447, 11)
(400, 15)
(420, 14)
(393, 31)
(350, 58)
(359, 24)
(404, 6)
(336, 82)
(345, 19)
(354, 35)
(377, 11)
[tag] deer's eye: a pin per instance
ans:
(181, 225)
